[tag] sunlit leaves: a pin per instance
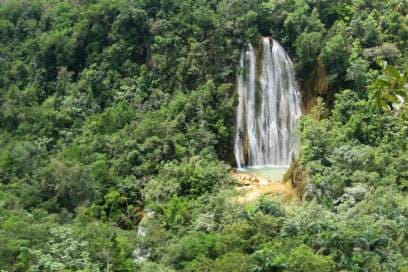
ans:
(390, 89)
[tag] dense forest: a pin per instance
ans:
(117, 126)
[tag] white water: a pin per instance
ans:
(268, 108)
(141, 253)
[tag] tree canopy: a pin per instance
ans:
(116, 136)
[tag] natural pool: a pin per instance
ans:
(269, 172)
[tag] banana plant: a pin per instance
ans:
(390, 90)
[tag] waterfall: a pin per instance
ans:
(141, 252)
(268, 107)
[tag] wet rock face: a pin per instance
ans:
(315, 86)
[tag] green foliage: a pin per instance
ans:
(64, 186)
(390, 90)
(191, 247)
(231, 262)
(356, 144)
(62, 253)
(109, 107)
(188, 178)
(304, 259)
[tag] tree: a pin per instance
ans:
(390, 89)
(63, 252)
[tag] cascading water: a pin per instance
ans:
(268, 107)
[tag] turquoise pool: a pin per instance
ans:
(269, 172)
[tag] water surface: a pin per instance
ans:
(269, 172)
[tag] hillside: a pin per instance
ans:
(117, 127)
